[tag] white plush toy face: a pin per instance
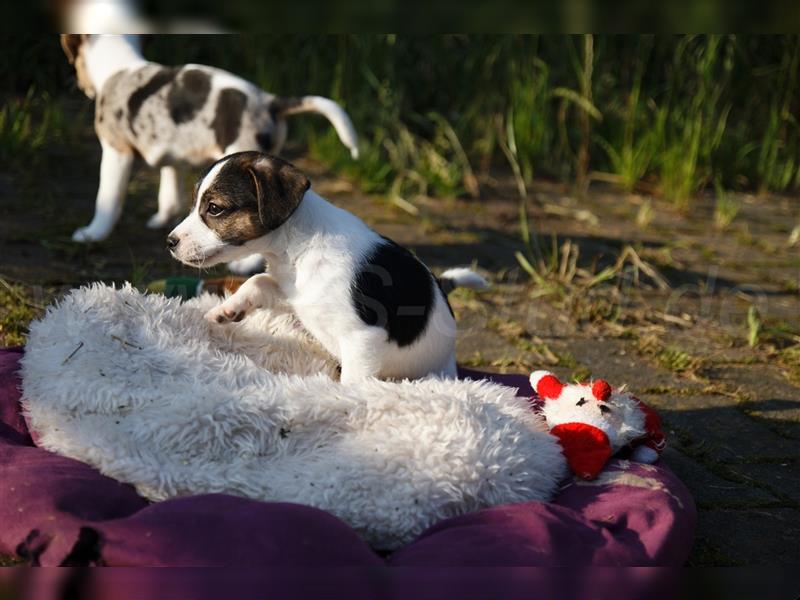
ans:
(616, 414)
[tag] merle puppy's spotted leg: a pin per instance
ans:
(115, 172)
(260, 291)
(170, 198)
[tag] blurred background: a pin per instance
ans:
(670, 115)
(634, 199)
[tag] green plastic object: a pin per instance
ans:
(177, 287)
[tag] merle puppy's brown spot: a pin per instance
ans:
(252, 194)
(188, 95)
(161, 78)
(228, 118)
(71, 44)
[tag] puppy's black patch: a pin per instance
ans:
(228, 118)
(188, 95)
(280, 105)
(264, 141)
(159, 80)
(394, 290)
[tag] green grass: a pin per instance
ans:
(695, 122)
(27, 124)
(754, 327)
(726, 207)
(438, 115)
(16, 312)
(632, 154)
(676, 360)
(790, 359)
(671, 114)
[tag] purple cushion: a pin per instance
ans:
(55, 510)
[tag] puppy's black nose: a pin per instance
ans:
(172, 241)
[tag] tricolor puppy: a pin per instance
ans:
(371, 303)
(174, 117)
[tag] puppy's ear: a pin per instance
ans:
(71, 43)
(279, 189)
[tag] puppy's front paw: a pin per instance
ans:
(228, 312)
(89, 234)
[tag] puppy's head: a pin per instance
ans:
(74, 45)
(241, 198)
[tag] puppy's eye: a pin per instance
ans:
(214, 210)
(581, 402)
(604, 409)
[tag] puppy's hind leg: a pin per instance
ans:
(362, 354)
(170, 198)
(449, 370)
(260, 291)
(115, 172)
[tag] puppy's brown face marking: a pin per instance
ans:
(230, 207)
(251, 195)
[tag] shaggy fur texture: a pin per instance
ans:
(148, 392)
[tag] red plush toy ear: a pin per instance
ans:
(601, 390)
(549, 387)
(586, 448)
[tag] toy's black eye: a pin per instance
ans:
(581, 402)
(214, 210)
(604, 409)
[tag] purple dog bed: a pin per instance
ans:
(58, 511)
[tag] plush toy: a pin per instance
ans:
(594, 422)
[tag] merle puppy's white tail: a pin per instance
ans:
(461, 277)
(330, 110)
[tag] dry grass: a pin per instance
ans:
(17, 310)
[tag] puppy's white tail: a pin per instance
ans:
(461, 277)
(326, 107)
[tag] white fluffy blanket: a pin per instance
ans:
(145, 390)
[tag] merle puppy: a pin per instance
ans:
(173, 117)
(371, 303)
